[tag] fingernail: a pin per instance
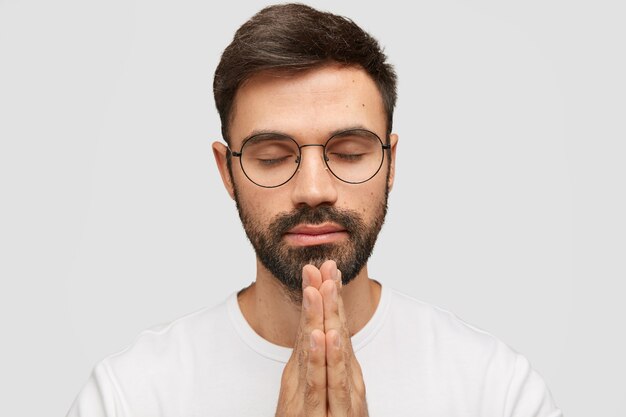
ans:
(312, 340)
(337, 341)
(305, 280)
(333, 293)
(305, 302)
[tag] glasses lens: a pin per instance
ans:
(269, 160)
(354, 156)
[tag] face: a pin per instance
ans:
(314, 216)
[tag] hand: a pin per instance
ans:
(322, 377)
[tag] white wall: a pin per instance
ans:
(508, 207)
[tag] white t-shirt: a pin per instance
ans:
(417, 360)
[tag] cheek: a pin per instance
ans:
(258, 203)
(365, 199)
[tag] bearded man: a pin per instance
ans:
(306, 102)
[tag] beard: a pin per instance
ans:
(285, 262)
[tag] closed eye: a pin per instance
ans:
(348, 156)
(269, 162)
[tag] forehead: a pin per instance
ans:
(307, 105)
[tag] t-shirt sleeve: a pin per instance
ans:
(528, 395)
(97, 398)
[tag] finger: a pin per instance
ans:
(329, 270)
(315, 388)
(311, 276)
(334, 317)
(311, 312)
(311, 317)
(331, 285)
(341, 310)
(312, 309)
(301, 377)
(335, 321)
(339, 387)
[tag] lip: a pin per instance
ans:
(315, 234)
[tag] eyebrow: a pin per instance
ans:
(257, 132)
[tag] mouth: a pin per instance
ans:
(315, 234)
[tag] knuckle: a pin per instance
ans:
(345, 388)
(311, 397)
(311, 386)
(316, 358)
(359, 389)
(342, 391)
(303, 357)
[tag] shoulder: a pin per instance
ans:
(148, 374)
(429, 317)
(443, 334)
(172, 346)
(464, 359)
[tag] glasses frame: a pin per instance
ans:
(384, 146)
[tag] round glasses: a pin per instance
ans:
(271, 159)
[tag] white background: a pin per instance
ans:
(508, 207)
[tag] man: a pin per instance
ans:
(306, 103)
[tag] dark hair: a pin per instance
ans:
(293, 38)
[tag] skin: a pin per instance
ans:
(322, 377)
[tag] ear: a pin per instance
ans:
(393, 140)
(219, 152)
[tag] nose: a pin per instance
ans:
(313, 184)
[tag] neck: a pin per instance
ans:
(275, 316)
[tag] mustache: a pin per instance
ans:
(348, 219)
